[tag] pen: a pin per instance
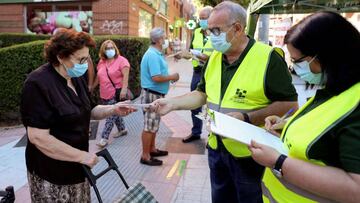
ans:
(286, 115)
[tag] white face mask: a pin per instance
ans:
(165, 45)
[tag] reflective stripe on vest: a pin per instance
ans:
(244, 93)
(300, 135)
(198, 44)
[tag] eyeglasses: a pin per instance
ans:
(82, 60)
(301, 59)
(217, 30)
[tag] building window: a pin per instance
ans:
(163, 7)
(145, 23)
(48, 18)
(152, 3)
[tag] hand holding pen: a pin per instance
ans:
(275, 122)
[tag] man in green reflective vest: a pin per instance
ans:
(201, 48)
(247, 80)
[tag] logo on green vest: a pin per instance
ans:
(288, 143)
(239, 96)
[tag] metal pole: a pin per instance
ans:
(264, 28)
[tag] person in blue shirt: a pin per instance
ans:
(155, 81)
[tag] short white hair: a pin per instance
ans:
(236, 11)
(207, 10)
(156, 33)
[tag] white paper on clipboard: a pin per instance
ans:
(236, 129)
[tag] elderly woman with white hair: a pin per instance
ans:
(155, 84)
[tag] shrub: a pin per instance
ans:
(10, 39)
(19, 60)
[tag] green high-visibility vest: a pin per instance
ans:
(245, 92)
(198, 44)
(299, 136)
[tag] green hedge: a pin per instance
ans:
(10, 39)
(19, 60)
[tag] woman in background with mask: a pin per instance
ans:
(56, 111)
(113, 73)
(323, 137)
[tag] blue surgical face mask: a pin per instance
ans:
(110, 53)
(203, 24)
(303, 70)
(77, 70)
(219, 42)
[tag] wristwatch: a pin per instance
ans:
(246, 118)
(277, 170)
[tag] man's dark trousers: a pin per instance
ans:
(233, 179)
(197, 123)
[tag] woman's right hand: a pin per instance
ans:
(273, 123)
(89, 159)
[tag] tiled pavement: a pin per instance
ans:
(193, 185)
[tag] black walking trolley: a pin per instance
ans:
(135, 194)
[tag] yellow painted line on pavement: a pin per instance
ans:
(173, 169)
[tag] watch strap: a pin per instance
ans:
(246, 118)
(279, 162)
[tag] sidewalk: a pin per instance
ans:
(193, 185)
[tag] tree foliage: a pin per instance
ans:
(18, 60)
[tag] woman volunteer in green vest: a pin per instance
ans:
(323, 137)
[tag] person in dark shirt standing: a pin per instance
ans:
(201, 48)
(56, 111)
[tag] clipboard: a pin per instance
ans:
(243, 132)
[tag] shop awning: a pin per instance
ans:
(296, 6)
(303, 6)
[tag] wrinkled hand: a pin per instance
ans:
(186, 54)
(121, 109)
(263, 154)
(91, 89)
(162, 106)
(177, 57)
(123, 93)
(89, 159)
(208, 126)
(237, 115)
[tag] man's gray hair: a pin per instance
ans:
(156, 33)
(236, 12)
(207, 10)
